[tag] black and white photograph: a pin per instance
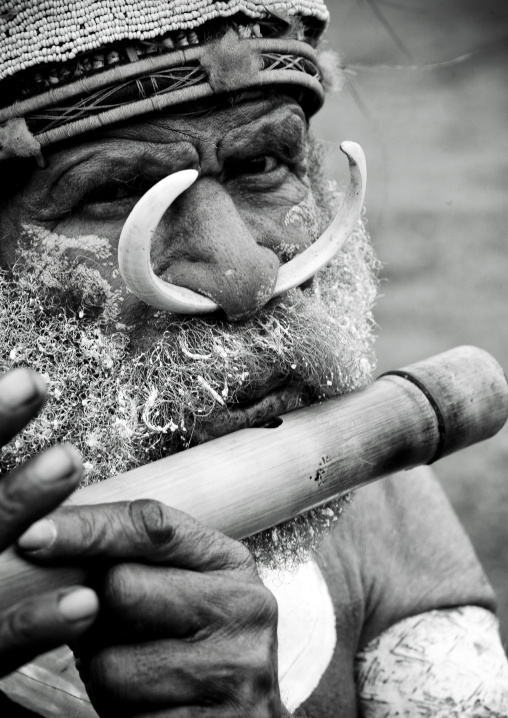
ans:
(253, 357)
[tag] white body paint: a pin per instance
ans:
(440, 664)
(306, 630)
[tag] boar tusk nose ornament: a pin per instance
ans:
(310, 261)
(138, 231)
(134, 250)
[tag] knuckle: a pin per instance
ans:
(262, 672)
(253, 682)
(262, 610)
(245, 559)
(118, 585)
(92, 532)
(88, 530)
(105, 671)
(120, 677)
(13, 497)
(260, 662)
(232, 555)
(149, 519)
(19, 625)
(266, 606)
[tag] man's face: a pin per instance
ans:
(129, 384)
(225, 236)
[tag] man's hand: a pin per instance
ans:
(186, 627)
(36, 488)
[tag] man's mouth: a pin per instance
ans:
(257, 412)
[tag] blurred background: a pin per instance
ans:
(426, 97)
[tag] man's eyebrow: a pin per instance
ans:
(122, 153)
(281, 131)
(130, 133)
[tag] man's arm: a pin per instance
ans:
(414, 554)
(428, 636)
(447, 662)
(395, 564)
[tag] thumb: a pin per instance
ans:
(40, 624)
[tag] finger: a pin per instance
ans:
(146, 531)
(188, 712)
(40, 624)
(22, 393)
(171, 673)
(35, 489)
(196, 712)
(221, 711)
(149, 602)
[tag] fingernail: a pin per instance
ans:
(78, 605)
(57, 463)
(20, 387)
(40, 535)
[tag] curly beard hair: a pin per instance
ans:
(124, 404)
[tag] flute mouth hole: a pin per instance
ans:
(272, 424)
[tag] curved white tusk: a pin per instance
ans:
(137, 233)
(134, 250)
(305, 265)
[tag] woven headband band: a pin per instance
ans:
(156, 83)
(70, 94)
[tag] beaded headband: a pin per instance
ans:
(71, 67)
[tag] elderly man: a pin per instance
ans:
(373, 607)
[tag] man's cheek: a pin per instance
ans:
(80, 269)
(287, 229)
(10, 234)
(73, 239)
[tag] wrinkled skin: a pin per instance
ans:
(186, 627)
(224, 238)
(185, 621)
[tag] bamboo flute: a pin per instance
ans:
(256, 478)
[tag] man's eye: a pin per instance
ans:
(259, 165)
(116, 190)
(111, 198)
(254, 166)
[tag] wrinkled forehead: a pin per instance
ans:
(202, 137)
(213, 119)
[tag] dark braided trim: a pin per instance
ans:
(163, 82)
(160, 102)
(294, 58)
(116, 96)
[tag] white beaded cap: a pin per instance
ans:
(33, 32)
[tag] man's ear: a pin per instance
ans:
(14, 174)
(16, 140)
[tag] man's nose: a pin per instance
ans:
(204, 245)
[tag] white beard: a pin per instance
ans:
(124, 402)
